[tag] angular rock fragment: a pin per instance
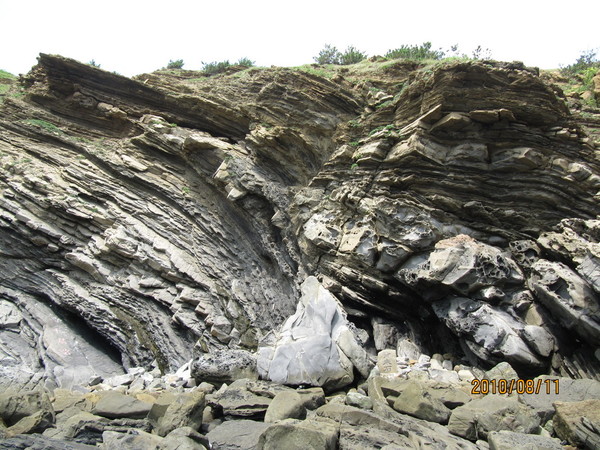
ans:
(315, 346)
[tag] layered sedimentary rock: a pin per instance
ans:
(147, 221)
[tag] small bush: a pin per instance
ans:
(214, 68)
(331, 55)
(93, 63)
(245, 62)
(352, 56)
(177, 64)
(587, 60)
(416, 52)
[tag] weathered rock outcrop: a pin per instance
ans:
(175, 216)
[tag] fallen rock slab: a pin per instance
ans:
(237, 435)
(578, 422)
(479, 417)
(509, 440)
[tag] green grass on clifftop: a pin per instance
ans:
(5, 74)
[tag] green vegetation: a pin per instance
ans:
(44, 125)
(177, 64)
(581, 74)
(331, 55)
(94, 64)
(587, 60)
(324, 72)
(415, 52)
(5, 74)
(214, 68)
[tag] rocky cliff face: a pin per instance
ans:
(152, 219)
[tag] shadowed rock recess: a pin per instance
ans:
(285, 230)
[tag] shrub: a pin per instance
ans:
(213, 68)
(352, 56)
(331, 55)
(245, 62)
(177, 64)
(418, 52)
(587, 60)
(93, 63)
(482, 53)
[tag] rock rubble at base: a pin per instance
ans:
(406, 404)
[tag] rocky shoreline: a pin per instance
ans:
(298, 257)
(404, 403)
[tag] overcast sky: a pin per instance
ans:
(133, 37)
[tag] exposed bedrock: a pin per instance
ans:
(173, 216)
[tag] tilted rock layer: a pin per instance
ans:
(143, 218)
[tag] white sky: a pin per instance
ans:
(131, 36)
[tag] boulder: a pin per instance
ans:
(558, 389)
(236, 435)
(460, 264)
(16, 405)
(299, 436)
(35, 423)
(489, 332)
(578, 422)
(134, 440)
(184, 411)
(238, 401)
(224, 366)
(416, 400)
(509, 440)
(286, 405)
(477, 418)
(184, 438)
(315, 346)
(37, 441)
(570, 299)
(359, 400)
(115, 405)
(312, 398)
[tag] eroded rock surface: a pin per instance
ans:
(446, 216)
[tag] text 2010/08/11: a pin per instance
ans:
(502, 386)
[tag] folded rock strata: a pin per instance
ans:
(156, 219)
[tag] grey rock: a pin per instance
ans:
(285, 405)
(39, 442)
(237, 435)
(479, 417)
(465, 265)
(184, 438)
(35, 423)
(312, 398)
(502, 371)
(359, 400)
(15, 406)
(384, 426)
(578, 422)
(416, 400)
(184, 411)
(490, 333)
(224, 366)
(115, 405)
(569, 298)
(297, 436)
(558, 389)
(407, 350)
(509, 440)
(311, 346)
(134, 440)
(386, 362)
(238, 401)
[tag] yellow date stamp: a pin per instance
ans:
(520, 386)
